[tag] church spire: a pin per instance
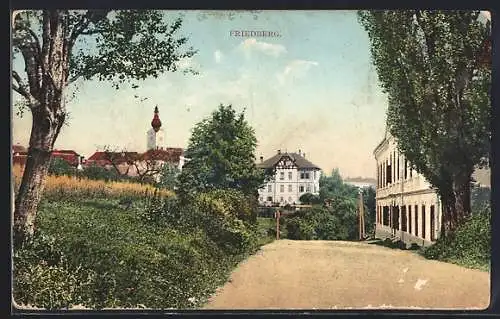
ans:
(156, 123)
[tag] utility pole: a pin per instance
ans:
(361, 216)
(277, 224)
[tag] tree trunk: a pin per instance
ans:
(48, 79)
(461, 190)
(43, 135)
(448, 223)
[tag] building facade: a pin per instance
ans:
(20, 155)
(293, 176)
(407, 207)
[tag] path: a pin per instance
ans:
(290, 274)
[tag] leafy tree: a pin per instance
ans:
(333, 186)
(58, 166)
(97, 172)
(168, 176)
(430, 65)
(370, 207)
(60, 46)
(221, 155)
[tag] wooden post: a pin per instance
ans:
(277, 224)
(361, 217)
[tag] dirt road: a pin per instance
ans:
(290, 274)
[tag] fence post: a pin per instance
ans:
(277, 224)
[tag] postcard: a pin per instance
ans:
(279, 160)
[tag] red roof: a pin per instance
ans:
(169, 154)
(104, 158)
(70, 156)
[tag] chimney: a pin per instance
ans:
(279, 151)
(262, 159)
(300, 152)
(304, 155)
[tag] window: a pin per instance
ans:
(433, 224)
(388, 175)
(423, 221)
(282, 175)
(314, 174)
(290, 176)
(403, 217)
(282, 188)
(406, 168)
(315, 189)
(409, 219)
(269, 199)
(301, 188)
(269, 188)
(308, 188)
(397, 168)
(304, 175)
(290, 188)
(416, 220)
(281, 199)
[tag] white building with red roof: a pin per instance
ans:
(293, 176)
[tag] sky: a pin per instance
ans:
(312, 88)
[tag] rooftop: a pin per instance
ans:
(297, 158)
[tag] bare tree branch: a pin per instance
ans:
(22, 88)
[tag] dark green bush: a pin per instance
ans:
(469, 245)
(338, 222)
(157, 253)
(58, 167)
(309, 199)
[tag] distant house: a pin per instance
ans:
(20, 155)
(123, 161)
(294, 176)
(361, 182)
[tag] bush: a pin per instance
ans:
(95, 253)
(338, 222)
(469, 245)
(226, 217)
(309, 199)
(59, 167)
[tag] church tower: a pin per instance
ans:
(155, 134)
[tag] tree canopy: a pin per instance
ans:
(221, 155)
(430, 65)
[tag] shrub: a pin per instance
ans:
(222, 214)
(309, 199)
(469, 245)
(338, 222)
(58, 167)
(94, 253)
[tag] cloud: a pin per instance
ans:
(218, 56)
(295, 69)
(267, 48)
(187, 63)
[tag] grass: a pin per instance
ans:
(263, 226)
(66, 186)
(90, 250)
(98, 254)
